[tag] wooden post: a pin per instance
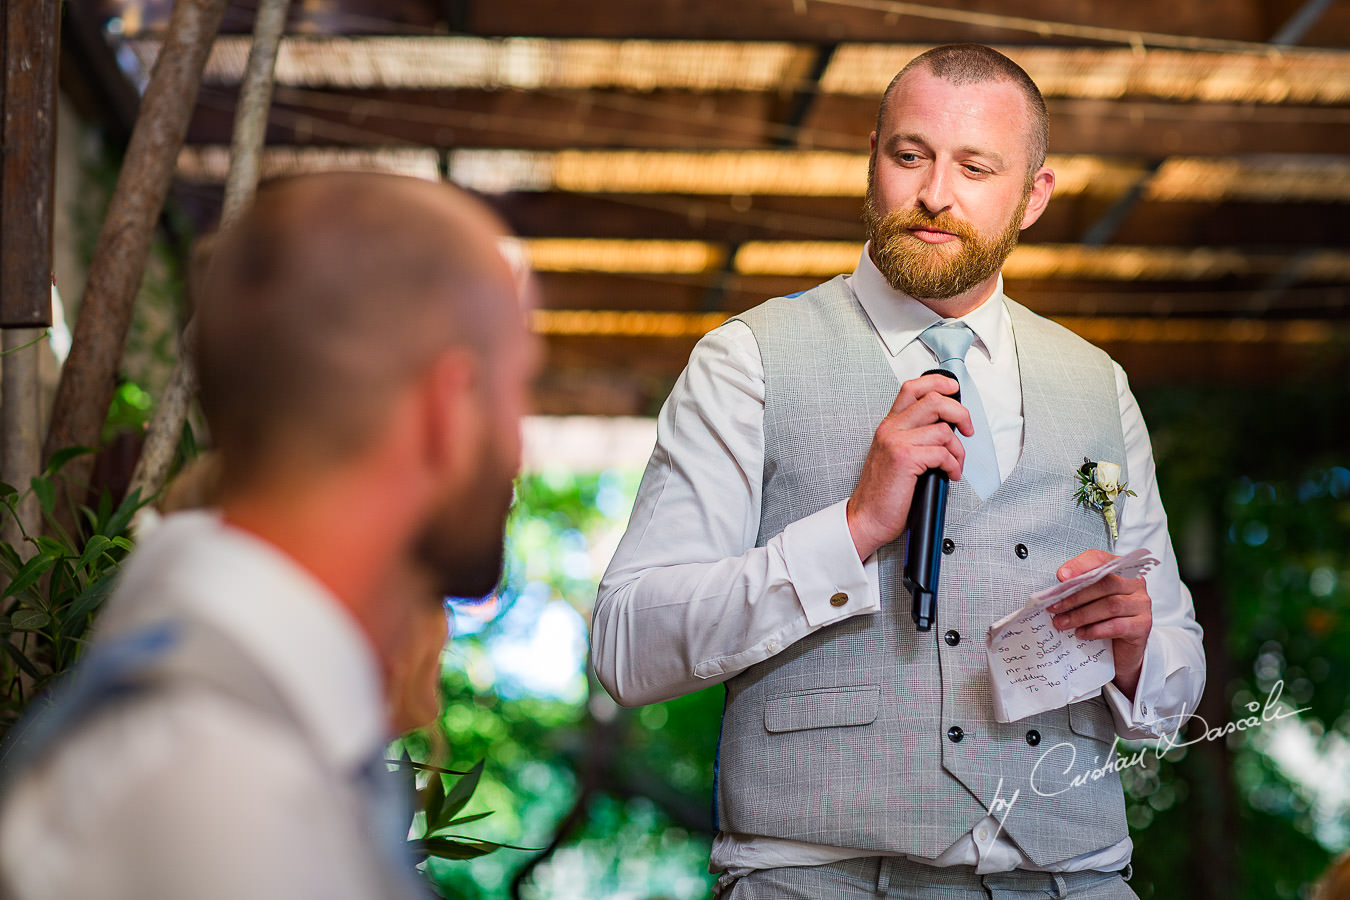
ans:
(28, 44)
(246, 146)
(89, 376)
(255, 101)
(21, 421)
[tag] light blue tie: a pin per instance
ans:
(950, 341)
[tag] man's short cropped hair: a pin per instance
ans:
(329, 292)
(973, 64)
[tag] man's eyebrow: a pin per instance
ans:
(908, 138)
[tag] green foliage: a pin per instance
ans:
(620, 781)
(439, 812)
(130, 410)
(1259, 503)
(56, 582)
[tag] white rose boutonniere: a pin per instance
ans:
(1100, 486)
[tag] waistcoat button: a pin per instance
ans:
(948, 546)
(1033, 737)
(954, 734)
(1021, 551)
(952, 638)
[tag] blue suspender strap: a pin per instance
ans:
(110, 670)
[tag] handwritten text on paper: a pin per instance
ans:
(1034, 667)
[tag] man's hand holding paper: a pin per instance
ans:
(1116, 607)
(1054, 650)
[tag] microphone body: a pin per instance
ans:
(923, 551)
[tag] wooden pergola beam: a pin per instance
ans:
(1141, 128)
(739, 120)
(786, 19)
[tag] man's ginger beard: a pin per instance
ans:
(936, 271)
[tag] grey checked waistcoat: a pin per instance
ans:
(842, 739)
(169, 655)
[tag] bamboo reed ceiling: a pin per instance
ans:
(671, 162)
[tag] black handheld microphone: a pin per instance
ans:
(923, 552)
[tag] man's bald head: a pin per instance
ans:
(331, 293)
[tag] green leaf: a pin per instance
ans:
(29, 620)
(27, 576)
(9, 558)
(447, 848)
(425, 767)
(46, 494)
(434, 796)
(122, 517)
(87, 603)
(55, 527)
(7, 489)
(53, 547)
(457, 798)
(97, 546)
(61, 457)
(22, 661)
(61, 583)
(96, 518)
(464, 820)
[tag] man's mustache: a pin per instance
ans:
(906, 219)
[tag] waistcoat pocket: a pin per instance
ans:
(835, 707)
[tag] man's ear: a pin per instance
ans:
(453, 411)
(1042, 186)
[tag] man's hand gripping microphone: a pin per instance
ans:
(923, 552)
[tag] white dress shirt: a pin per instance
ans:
(689, 601)
(193, 793)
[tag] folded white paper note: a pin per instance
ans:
(1034, 667)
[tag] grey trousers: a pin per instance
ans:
(900, 879)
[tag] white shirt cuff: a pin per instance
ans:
(1149, 714)
(823, 566)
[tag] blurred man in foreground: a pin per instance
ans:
(363, 360)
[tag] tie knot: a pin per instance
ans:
(949, 340)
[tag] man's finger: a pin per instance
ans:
(933, 446)
(1111, 584)
(934, 407)
(1111, 606)
(912, 390)
(1128, 628)
(1084, 562)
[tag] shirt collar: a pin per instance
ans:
(194, 566)
(898, 318)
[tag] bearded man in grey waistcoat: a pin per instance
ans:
(859, 756)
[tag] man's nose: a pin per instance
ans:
(935, 193)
